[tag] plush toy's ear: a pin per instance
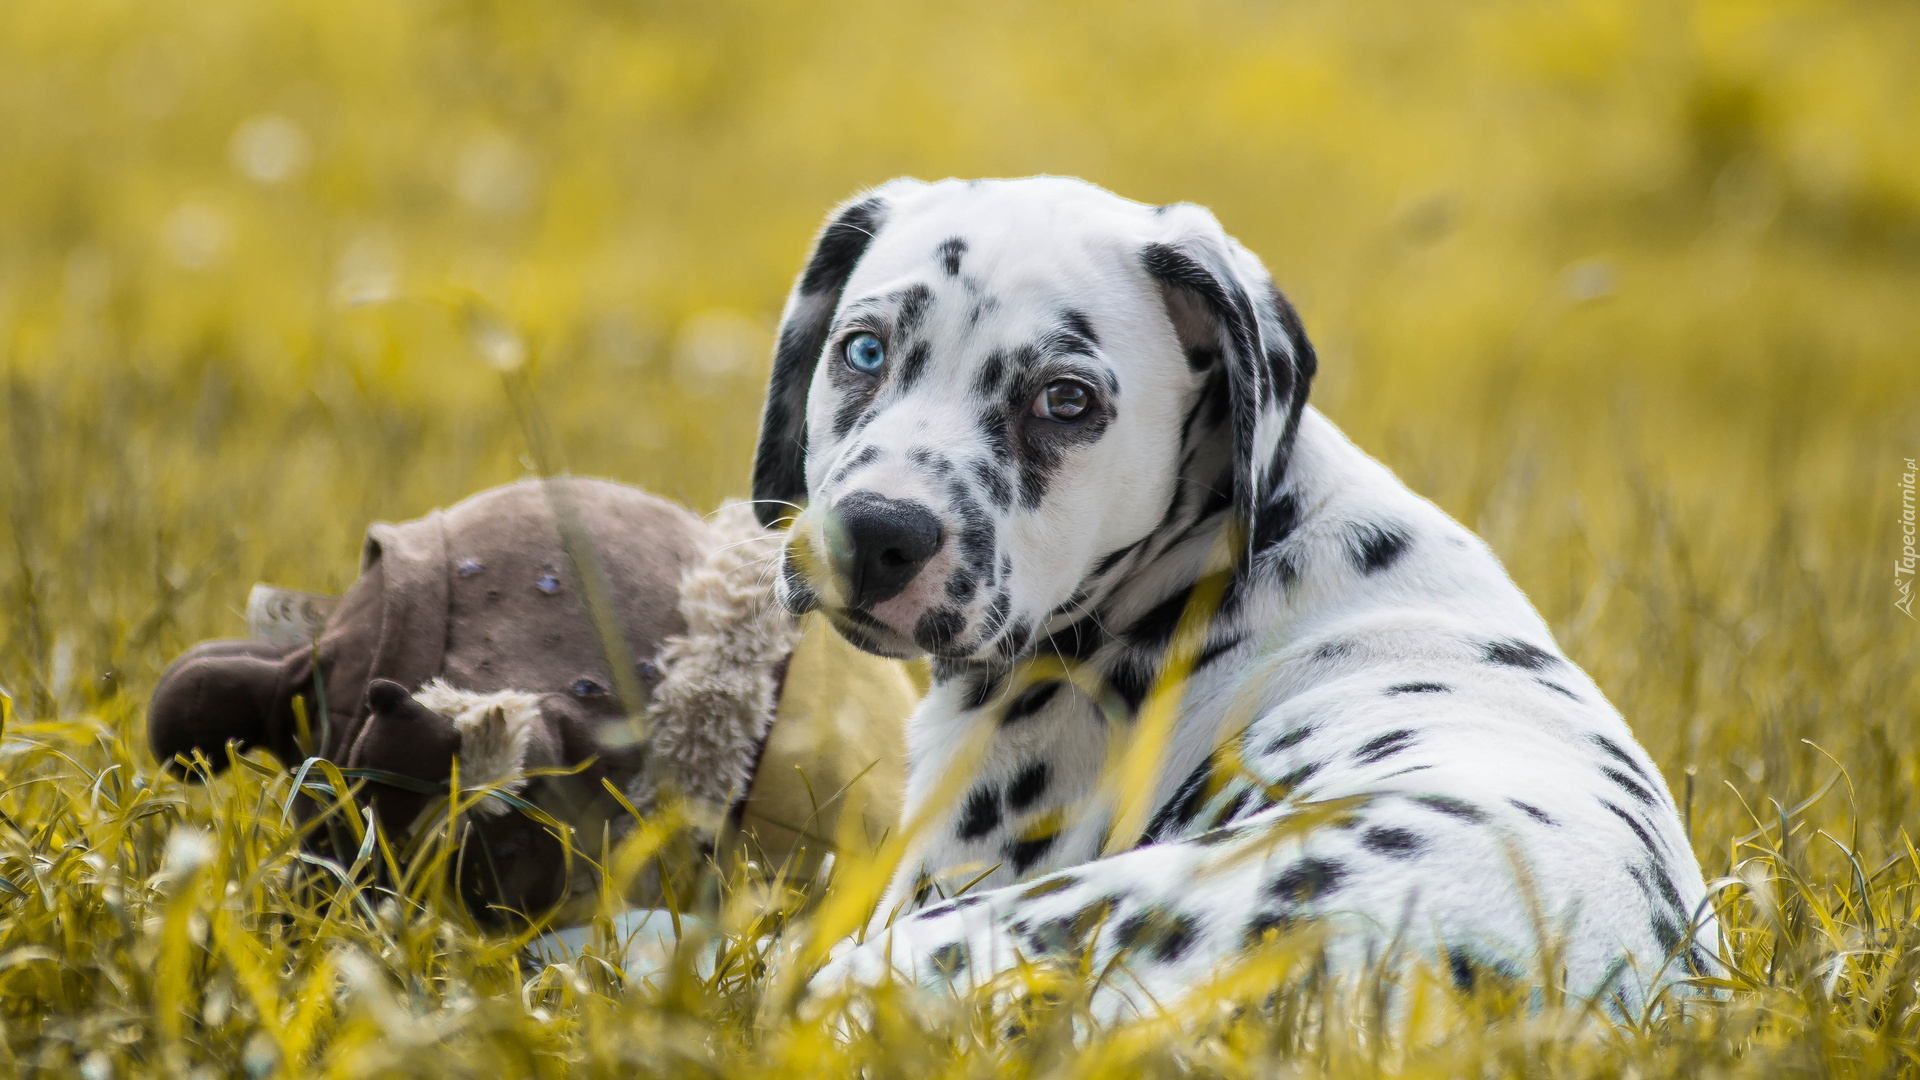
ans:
(1222, 301)
(779, 465)
(216, 693)
(405, 737)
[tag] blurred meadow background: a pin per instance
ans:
(1629, 287)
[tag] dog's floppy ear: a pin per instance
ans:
(1221, 300)
(779, 465)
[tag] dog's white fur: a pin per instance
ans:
(1368, 649)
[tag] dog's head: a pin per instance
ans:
(991, 395)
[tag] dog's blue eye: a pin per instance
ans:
(865, 354)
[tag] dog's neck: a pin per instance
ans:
(1200, 530)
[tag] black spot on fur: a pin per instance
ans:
(1697, 960)
(1619, 753)
(1278, 523)
(1287, 740)
(1076, 642)
(1219, 498)
(1532, 811)
(1558, 689)
(1179, 810)
(1307, 880)
(1090, 918)
(1069, 933)
(1516, 653)
(994, 481)
(1298, 776)
(1333, 650)
(1664, 882)
(1133, 930)
(1217, 650)
(1460, 965)
(1165, 936)
(1419, 688)
(1131, 681)
(1376, 547)
(1050, 937)
(1112, 558)
(1383, 747)
(1452, 807)
(1285, 569)
(1024, 853)
(1204, 418)
(1639, 830)
(949, 959)
(915, 301)
(961, 587)
(949, 252)
(937, 629)
(1392, 842)
(981, 814)
(1030, 701)
(914, 364)
(867, 456)
(1075, 334)
(1667, 934)
(1173, 943)
(997, 612)
(1028, 785)
(986, 383)
(1154, 629)
(1631, 786)
(848, 413)
(975, 543)
(1231, 809)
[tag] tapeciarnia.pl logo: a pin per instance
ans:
(1903, 566)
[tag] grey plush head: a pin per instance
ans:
(990, 395)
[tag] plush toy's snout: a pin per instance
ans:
(219, 692)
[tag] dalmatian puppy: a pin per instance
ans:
(1034, 426)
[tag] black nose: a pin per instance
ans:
(879, 544)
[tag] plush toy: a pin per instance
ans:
(490, 632)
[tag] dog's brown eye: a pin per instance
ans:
(1064, 401)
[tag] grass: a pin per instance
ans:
(1625, 287)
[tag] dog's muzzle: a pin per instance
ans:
(877, 545)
